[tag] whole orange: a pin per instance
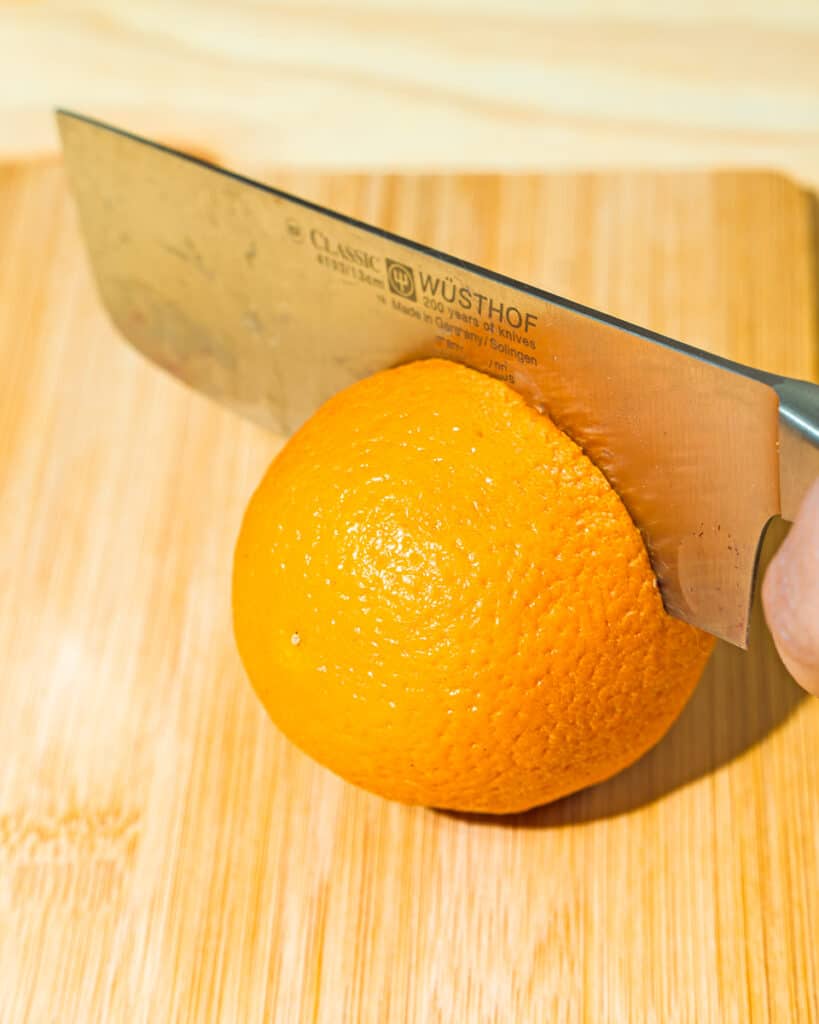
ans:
(440, 598)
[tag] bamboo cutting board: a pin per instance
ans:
(166, 856)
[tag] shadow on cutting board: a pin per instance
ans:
(742, 697)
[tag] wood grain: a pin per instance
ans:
(166, 856)
(455, 84)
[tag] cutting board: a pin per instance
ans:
(165, 855)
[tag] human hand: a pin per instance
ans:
(790, 595)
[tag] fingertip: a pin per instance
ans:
(790, 597)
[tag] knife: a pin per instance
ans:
(270, 304)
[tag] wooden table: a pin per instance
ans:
(431, 85)
(165, 855)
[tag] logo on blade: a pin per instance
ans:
(401, 279)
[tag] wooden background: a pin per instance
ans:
(427, 84)
(166, 856)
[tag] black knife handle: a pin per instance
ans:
(798, 441)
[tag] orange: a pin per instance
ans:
(440, 598)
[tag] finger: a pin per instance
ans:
(790, 595)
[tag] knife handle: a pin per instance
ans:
(798, 441)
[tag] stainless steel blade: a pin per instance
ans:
(271, 304)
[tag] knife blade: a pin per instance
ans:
(270, 304)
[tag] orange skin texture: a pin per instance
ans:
(440, 598)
